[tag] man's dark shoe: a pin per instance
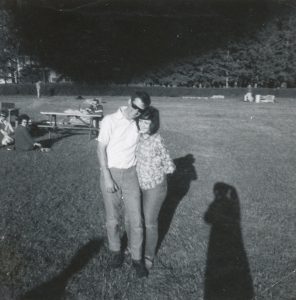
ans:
(116, 260)
(140, 269)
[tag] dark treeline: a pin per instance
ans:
(202, 43)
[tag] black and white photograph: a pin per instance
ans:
(147, 149)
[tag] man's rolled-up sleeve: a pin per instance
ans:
(105, 131)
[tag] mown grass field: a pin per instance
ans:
(52, 238)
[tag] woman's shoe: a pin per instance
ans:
(127, 251)
(148, 262)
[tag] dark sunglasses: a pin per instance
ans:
(140, 110)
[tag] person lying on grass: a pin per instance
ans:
(5, 131)
(23, 138)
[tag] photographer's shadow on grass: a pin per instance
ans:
(54, 289)
(178, 187)
(227, 274)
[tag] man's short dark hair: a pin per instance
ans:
(152, 114)
(143, 96)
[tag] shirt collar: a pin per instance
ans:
(118, 114)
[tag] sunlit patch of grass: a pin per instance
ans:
(52, 214)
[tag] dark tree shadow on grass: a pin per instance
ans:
(56, 137)
(227, 275)
(178, 187)
(37, 131)
(54, 289)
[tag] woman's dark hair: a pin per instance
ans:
(145, 98)
(23, 117)
(152, 114)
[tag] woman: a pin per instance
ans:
(153, 164)
(23, 138)
(6, 131)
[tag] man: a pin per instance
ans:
(118, 139)
(249, 95)
(38, 88)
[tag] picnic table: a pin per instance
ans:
(88, 122)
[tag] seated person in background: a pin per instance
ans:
(249, 95)
(23, 138)
(95, 106)
(6, 130)
(88, 107)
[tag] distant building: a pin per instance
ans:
(54, 77)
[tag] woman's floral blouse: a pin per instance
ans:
(153, 161)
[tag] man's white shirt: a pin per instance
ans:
(121, 137)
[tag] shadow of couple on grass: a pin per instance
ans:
(54, 289)
(227, 274)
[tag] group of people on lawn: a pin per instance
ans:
(134, 164)
(19, 138)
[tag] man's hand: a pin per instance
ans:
(110, 184)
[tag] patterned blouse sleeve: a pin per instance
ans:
(166, 161)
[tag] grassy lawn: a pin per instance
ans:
(239, 242)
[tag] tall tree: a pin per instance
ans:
(9, 49)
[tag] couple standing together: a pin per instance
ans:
(133, 163)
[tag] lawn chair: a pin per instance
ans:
(265, 99)
(10, 109)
